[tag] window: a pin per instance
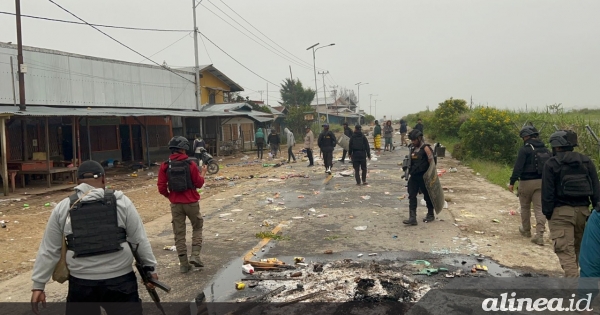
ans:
(212, 97)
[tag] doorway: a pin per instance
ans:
(67, 142)
(126, 152)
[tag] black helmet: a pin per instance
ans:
(415, 134)
(179, 142)
(528, 131)
(563, 138)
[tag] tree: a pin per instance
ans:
(447, 117)
(347, 95)
(260, 108)
(369, 118)
(294, 119)
(294, 94)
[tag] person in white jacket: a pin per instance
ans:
(291, 141)
(97, 224)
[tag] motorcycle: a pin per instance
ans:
(207, 159)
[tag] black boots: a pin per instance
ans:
(412, 219)
(429, 218)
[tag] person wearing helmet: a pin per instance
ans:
(359, 152)
(326, 143)
(569, 186)
(528, 171)
(178, 180)
(421, 156)
(377, 137)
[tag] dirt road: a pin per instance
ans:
(316, 213)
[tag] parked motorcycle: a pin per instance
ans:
(207, 159)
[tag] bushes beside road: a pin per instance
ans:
(487, 138)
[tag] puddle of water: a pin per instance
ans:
(222, 288)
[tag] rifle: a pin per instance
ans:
(406, 163)
(589, 129)
(145, 273)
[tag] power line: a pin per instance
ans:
(99, 25)
(263, 33)
(206, 49)
(241, 64)
(177, 41)
(249, 31)
(254, 40)
(121, 43)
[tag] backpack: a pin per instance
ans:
(575, 182)
(540, 157)
(179, 175)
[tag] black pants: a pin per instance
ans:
(309, 154)
(416, 183)
(358, 165)
(328, 158)
(259, 151)
(344, 155)
(291, 154)
(116, 296)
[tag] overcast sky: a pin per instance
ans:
(413, 54)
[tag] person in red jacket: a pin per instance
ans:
(178, 179)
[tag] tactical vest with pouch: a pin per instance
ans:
(419, 161)
(539, 159)
(179, 176)
(95, 226)
(574, 181)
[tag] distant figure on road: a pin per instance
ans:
(291, 141)
(421, 157)
(403, 131)
(178, 180)
(274, 141)
(360, 150)
(348, 133)
(259, 139)
(327, 143)
(198, 143)
(569, 186)
(419, 126)
(96, 223)
(377, 137)
(309, 143)
(528, 171)
(388, 134)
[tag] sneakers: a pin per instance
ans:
(524, 233)
(328, 171)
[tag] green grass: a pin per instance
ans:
(495, 173)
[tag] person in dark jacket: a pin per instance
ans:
(421, 157)
(259, 139)
(348, 133)
(274, 141)
(527, 171)
(569, 185)
(359, 152)
(326, 143)
(184, 202)
(403, 131)
(419, 126)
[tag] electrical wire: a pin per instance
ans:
(99, 25)
(263, 33)
(206, 49)
(177, 41)
(241, 64)
(254, 40)
(249, 31)
(121, 43)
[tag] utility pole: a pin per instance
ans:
(337, 108)
(197, 67)
(325, 95)
(358, 103)
(267, 102)
(376, 108)
(21, 67)
(294, 87)
(261, 92)
(371, 102)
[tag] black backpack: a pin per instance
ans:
(540, 157)
(575, 182)
(179, 176)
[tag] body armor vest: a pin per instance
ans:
(419, 161)
(95, 227)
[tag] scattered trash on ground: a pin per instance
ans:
(171, 248)
(366, 197)
(361, 228)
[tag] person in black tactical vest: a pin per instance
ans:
(348, 133)
(359, 151)
(326, 143)
(97, 223)
(528, 171)
(421, 156)
(178, 180)
(569, 186)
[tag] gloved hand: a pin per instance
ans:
(404, 168)
(548, 217)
